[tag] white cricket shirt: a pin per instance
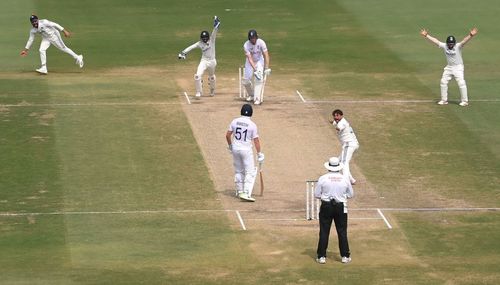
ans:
(333, 185)
(256, 50)
(207, 49)
(345, 132)
(454, 55)
(47, 29)
(244, 131)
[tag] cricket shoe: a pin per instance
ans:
(42, 70)
(79, 60)
(346, 259)
(321, 260)
(257, 102)
(245, 197)
(464, 104)
(198, 94)
(442, 102)
(249, 99)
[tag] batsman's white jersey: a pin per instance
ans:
(349, 143)
(244, 132)
(256, 50)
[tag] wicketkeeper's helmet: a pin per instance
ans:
(247, 110)
(204, 36)
(252, 34)
(33, 18)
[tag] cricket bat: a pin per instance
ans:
(261, 180)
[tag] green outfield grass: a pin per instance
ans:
(113, 137)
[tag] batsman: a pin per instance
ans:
(256, 65)
(242, 132)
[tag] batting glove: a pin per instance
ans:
(216, 22)
(182, 55)
(258, 74)
(260, 157)
(267, 71)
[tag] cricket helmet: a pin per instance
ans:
(252, 34)
(246, 110)
(451, 41)
(204, 36)
(33, 18)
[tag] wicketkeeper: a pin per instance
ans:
(208, 61)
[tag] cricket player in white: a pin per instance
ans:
(244, 132)
(208, 61)
(455, 66)
(347, 139)
(50, 35)
(256, 64)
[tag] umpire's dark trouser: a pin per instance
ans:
(332, 211)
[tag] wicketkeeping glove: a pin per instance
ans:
(260, 157)
(182, 55)
(216, 22)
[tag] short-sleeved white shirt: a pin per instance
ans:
(207, 49)
(256, 50)
(244, 131)
(333, 185)
(454, 55)
(345, 132)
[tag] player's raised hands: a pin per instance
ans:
(424, 32)
(473, 32)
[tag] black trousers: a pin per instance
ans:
(332, 212)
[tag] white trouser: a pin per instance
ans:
(348, 150)
(244, 170)
(456, 71)
(205, 65)
(56, 41)
(248, 76)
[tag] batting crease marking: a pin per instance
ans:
(187, 97)
(241, 220)
(300, 95)
(385, 220)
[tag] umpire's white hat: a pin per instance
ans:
(333, 164)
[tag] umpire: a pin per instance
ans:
(333, 189)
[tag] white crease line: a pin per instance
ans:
(385, 220)
(241, 220)
(300, 95)
(289, 219)
(187, 97)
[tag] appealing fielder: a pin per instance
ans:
(50, 35)
(240, 135)
(347, 139)
(256, 65)
(208, 61)
(455, 66)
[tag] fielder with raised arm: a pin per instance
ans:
(455, 66)
(244, 132)
(256, 64)
(208, 61)
(50, 35)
